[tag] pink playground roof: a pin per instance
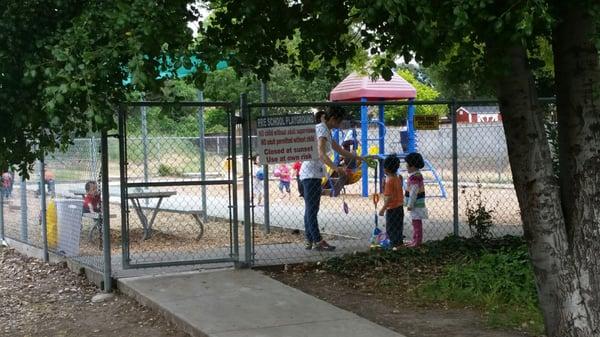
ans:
(355, 87)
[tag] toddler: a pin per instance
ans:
(91, 201)
(415, 196)
(283, 173)
(393, 198)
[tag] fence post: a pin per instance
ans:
(123, 184)
(93, 154)
(233, 207)
(105, 213)
(263, 110)
(23, 185)
(43, 211)
(246, 170)
(453, 109)
(145, 141)
(201, 128)
(2, 240)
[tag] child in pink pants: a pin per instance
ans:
(415, 196)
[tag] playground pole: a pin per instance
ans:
(336, 138)
(202, 144)
(410, 127)
(364, 145)
(263, 112)
(381, 142)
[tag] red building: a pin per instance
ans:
(478, 114)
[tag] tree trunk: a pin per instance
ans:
(538, 194)
(577, 78)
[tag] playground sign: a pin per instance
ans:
(286, 138)
(427, 122)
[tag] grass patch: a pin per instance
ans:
(494, 276)
(501, 283)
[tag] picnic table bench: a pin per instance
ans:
(158, 207)
(154, 207)
(197, 214)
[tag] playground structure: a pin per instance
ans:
(361, 88)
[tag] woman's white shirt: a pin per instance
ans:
(315, 169)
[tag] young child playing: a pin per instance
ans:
(283, 173)
(6, 185)
(258, 186)
(91, 201)
(415, 196)
(296, 169)
(393, 198)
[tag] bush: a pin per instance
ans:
(479, 216)
(166, 170)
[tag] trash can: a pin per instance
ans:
(68, 219)
(52, 233)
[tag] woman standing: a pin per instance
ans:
(311, 173)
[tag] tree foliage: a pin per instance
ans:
(63, 64)
(396, 115)
(225, 85)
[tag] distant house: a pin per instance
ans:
(478, 114)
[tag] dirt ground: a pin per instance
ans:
(177, 232)
(38, 299)
(59, 302)
(397, 311)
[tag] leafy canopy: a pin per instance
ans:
(63, 63)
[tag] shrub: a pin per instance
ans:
(166, 170)
(479, 216)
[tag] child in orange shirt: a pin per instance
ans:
(393, 199)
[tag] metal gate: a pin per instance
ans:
(178, 193)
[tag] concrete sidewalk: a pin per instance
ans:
(245, 303)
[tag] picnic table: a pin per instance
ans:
(135, 200)
(173, 207)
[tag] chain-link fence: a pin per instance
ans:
(482, 202)
(179, 199)
(63, 181)
(177, 194)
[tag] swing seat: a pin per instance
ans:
(334, 185)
